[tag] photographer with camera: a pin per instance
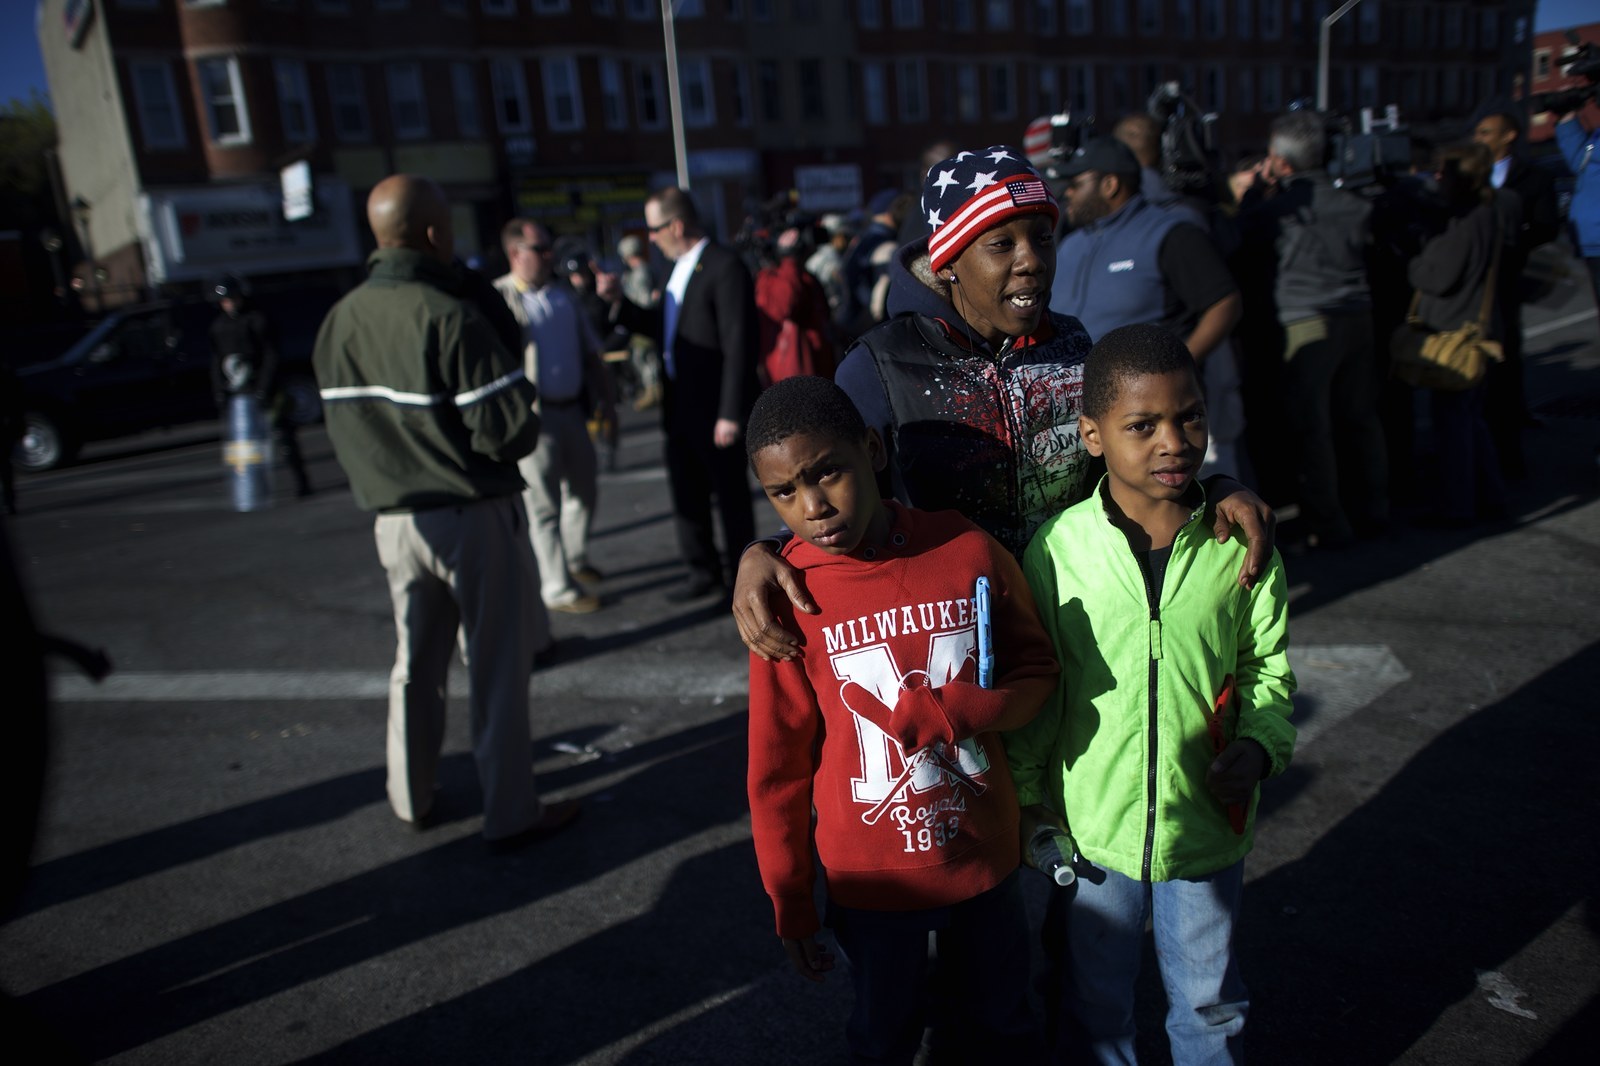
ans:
(1581, 149)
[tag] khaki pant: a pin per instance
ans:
(563, 484)
(465, 568)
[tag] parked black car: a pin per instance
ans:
(149, 366)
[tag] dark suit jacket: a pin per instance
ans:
(1537, 190)
(717, 344)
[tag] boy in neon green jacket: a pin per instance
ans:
(1173, 705)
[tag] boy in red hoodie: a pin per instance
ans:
(881, 727)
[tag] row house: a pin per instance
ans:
(178, 116)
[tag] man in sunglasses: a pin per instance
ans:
(561, 354)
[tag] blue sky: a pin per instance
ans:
(21, 68)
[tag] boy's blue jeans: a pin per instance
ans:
(978, 1002)
(1193, 925)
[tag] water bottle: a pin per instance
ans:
(247, 450)
(1050, 851)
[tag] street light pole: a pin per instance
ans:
(1322, 53)
(674, 100)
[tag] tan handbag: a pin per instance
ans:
(1451, 360)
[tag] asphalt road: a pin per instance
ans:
(219, 878)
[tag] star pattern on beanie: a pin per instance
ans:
(972, 192)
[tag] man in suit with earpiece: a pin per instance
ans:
(706, 328)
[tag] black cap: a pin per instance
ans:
(1104, 154)
(229, 287)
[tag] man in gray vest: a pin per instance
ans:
(1127, 262)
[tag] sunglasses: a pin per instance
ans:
(658, 228)
(536, 249)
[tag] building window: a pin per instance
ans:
(805, 11)
(603, 8)
(226, 115)
(464, 87)
(1185, 19)
(390, 5)
(1216, 87)
(500, 8)
(1519, 30)
(1272, 19)
(1149, 18)
(157, 103)
(1450, 86)
(966, 91)
(761, 10)
(1117, 18)
(699, 103)
(997, 13)
(1244, 19)
(742, 113)
(869, 14)
(1045, 17)
(913, 79)
(1371, 21)
(1212, 19)
(510, 90)
(407, 109)
(1541, 64)
(1489, 33)
(613, 98)
(1271, 88)
(1002, 95)
(771, 90)
(813, 105)
(1247, 91)
(294, 101)
(1452, 27)
(563, 97)
(961, 15)
(1080, 16)
(905, 14)
(1047, 91)
(1081, 77)
(648, 83)
(642, 9)
(551, 7)
(332, 7)
(874, 93)
(1368, 90)
(1119, 88)
(1413, 27)
(348, 98)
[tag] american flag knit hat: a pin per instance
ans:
(973, 192)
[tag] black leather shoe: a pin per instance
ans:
(555, 818)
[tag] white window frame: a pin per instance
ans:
(294, 90)
(353, 94)
(150, 138)
(613, 94)
(559, 76)
(911, 83)
(874, 93)
(228, 67)
(695, 77)
(508, 81)
(464, 96)
(405, 85)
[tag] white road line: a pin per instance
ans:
(1560, 323)
(1335, 682)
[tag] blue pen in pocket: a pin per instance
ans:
(980, 599)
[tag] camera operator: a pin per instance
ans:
(1321, 235)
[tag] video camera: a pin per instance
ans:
(757, 239)
(1377, 149)
(1069, 132)
(1579, 60)
(1188, 139)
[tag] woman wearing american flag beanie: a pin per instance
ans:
(973, 383)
